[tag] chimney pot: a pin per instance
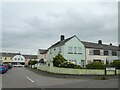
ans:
(100, 42)
(111, 44)
(62, 37)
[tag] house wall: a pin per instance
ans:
(90, 58)
(18, 58)
(7, 59)
(52, 52)
(79, 55)
(76, 58)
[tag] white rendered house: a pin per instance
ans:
(71, 49)
(81, 52)
(18, 60)
(98, 52)
(42, 55)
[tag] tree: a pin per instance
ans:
(32, 62)
(58, 60)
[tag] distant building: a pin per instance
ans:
(42, 55)
(81, 52)
(16, 57)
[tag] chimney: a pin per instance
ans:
(100, 42)
(62, 37)
(111, 44)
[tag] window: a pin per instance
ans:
(97, 60)
(106, 52)
(5, 58)
(114, 53)
(75, 50)
(15, 58)
(79, 49)
(96, 52)
(70, 50)
(119, 53)
(59, 49)
(54, 48)
(18, 58)
(50, 51)
(21, 58)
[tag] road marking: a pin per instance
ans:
(29, 79)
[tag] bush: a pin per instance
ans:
(32, 62)
(95, 65)
(58, 60)
(116, 64)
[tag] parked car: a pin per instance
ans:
(3, 69)
(6, 66)
(9, 66)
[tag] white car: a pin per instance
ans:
(18, 65)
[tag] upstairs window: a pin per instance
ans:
(79, 50)
(70, 51)
(114, 53)
(59, 49)
(96, 52)
(50, 51)
(105, 52)
(5, 58)
(75, 50)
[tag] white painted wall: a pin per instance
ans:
(102, 57)
(74, 42)
(18, 58)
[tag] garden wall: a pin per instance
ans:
(75, 71)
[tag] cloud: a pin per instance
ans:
(39, 25)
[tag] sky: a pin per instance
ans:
(29, 26)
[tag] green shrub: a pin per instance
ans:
(32, 62)
(116, 64)
(58, 60)
(95, 65)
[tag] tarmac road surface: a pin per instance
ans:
(20, 77)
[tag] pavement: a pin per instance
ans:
(20, 77)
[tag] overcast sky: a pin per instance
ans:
(26, 27)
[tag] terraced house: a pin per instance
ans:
(16, 58)
(81, 52)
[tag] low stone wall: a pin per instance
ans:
(75, 71)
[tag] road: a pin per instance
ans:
(25, 78)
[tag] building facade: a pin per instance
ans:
(16, 57)
(42, 56)
(71, 49)
(81, 52)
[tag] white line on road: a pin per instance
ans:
(29, 79)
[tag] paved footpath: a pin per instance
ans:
(19, 77)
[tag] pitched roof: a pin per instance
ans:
(43, 51)
(30, 56)
(60, 43)
(4, 54)
(99, 46)
(8, 54)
